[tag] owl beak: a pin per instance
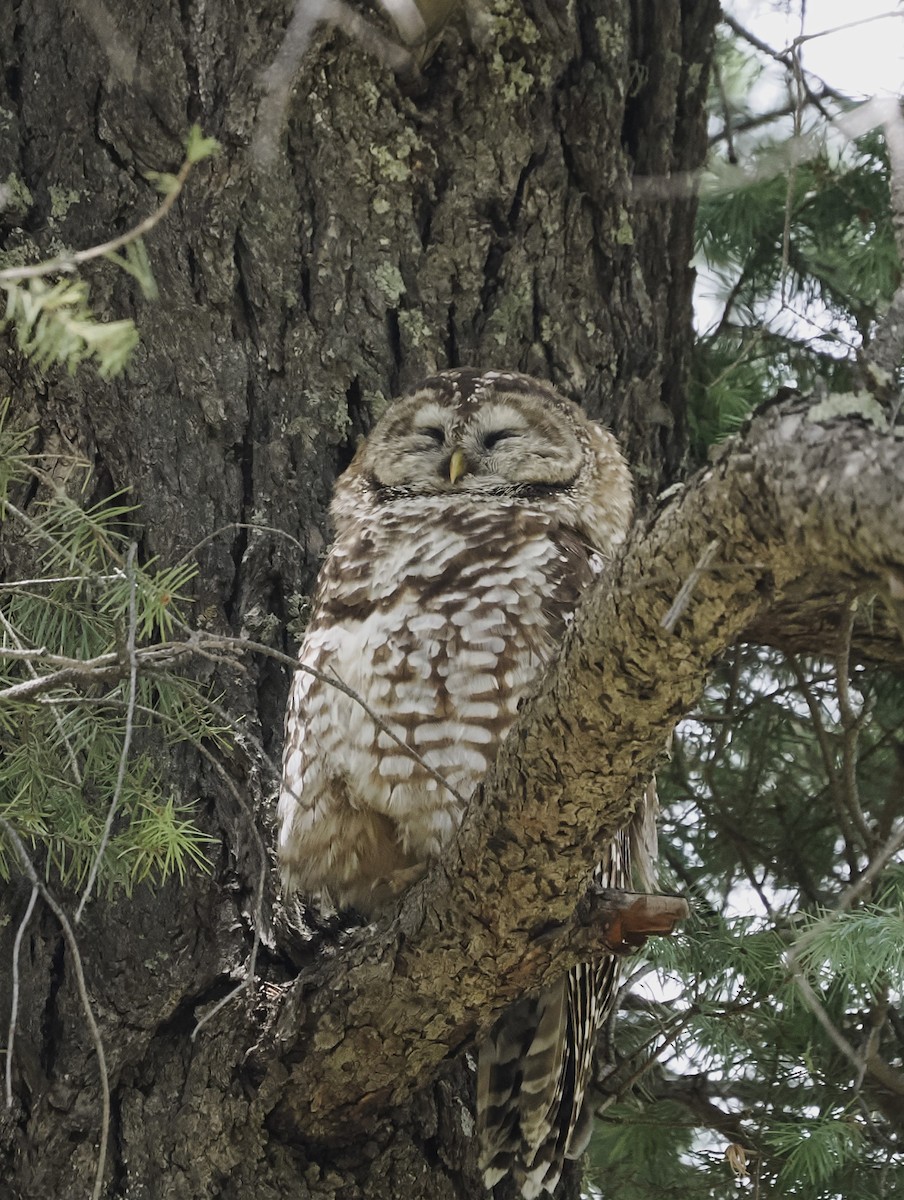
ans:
(457, 465)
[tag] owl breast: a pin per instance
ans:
(438, 618)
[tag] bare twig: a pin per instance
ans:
(810, 37)
(196, 643)
(240, 800)
(799, 99)
(279, 77)
(233, 525)
(889, 1076)
(248, 982)
(858, 888)
(38, 530)
(88, 670)
(14, 1001)
(30, 689)
(815, 1006)
(757, 121)
(21, 585)
(68, 261)
(893, 128)
(244, 645)
(785, 57)
(31, 874)
(827, 754)
(58, 720)
(166, 653)
(394, 56)
(883, 358)
(851, 726)
(681, 601)
(727, 117)
(127, 735)
(649, 1053)
(121, 53)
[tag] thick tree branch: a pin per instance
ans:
(792, 500)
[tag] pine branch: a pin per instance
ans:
(885, 355)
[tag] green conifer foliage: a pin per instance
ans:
(761, 1050)
(76, 731)
(795, 236)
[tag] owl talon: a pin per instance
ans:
(391, 887)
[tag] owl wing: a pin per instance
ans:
(330, 845)
(305, 787)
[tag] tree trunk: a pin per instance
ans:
(488, 212)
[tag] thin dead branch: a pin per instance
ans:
(132, 656)
(14, 999)
(29, 871)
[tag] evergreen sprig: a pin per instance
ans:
(54, 325)
(51, 316)
(62, 748)
(796, 236)
(754, 808)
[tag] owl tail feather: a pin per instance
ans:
(532, 1074)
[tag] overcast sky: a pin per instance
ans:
(866, 59)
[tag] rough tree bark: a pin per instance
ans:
(487, 213)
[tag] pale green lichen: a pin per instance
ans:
(378, 404)
(370, 94)
(392, 161)
(550, 330)
(514, 312)
(388, 279)
(262, 626)
(414, 329)
(327, 412)
(503, 21)
(15, 197)
(61, 200)
(381, 205)
(505, 25)
(22, 255)
(517, 81)
(611, 38)
(624, 235)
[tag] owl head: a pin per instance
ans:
(492, 437)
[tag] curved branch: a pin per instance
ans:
(792, 500)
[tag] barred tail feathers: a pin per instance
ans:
(536, 1063)
(533, 1072)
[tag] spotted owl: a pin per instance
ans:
(466, 528)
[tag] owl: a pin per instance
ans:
(466, 528)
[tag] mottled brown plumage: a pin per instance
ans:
(467, 527)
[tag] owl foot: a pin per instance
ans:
(387, 888)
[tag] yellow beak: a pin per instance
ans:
(457, 465)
